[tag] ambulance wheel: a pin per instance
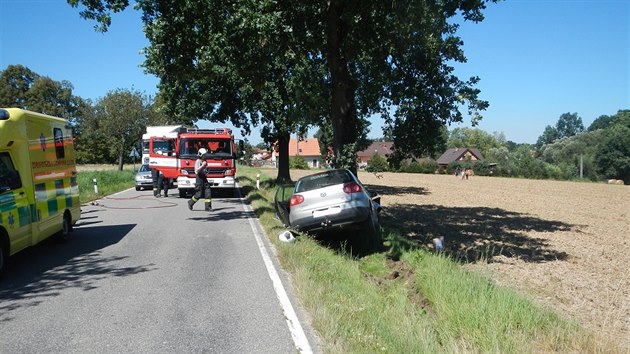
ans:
(4, 253)
(64, 234)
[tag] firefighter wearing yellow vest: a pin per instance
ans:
(202, 187)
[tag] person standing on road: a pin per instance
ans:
(159, 183)
(155, 177)
(202, 187)
(163, 183)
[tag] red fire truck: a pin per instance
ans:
(175, 154)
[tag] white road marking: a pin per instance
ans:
(297, 333)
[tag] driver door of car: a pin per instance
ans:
(281, 202)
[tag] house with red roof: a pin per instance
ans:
(382, 148)
(308, 149)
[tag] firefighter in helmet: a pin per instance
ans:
(202, 187)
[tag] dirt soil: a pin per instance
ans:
(565, 244)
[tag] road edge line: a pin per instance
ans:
(297, 332)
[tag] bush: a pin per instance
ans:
(423, 166)
(378, 163)
(481, 168)
(298, 163)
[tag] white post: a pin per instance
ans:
(258, 181)
(95, 186)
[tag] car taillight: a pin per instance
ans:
(351, 188)
(296, 199)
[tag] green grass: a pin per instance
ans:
(409, 301)
(108, 182)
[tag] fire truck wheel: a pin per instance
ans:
(64, 234)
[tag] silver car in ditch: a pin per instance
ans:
(334, 199)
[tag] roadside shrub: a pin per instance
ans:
(298, 163)
(481, 168)
(378, 163)
(422, 166)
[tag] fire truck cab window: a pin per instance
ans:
(163, 147)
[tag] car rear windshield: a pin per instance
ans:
(322, 180)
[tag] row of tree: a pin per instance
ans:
(108, 129)
(105, 131)
(564, 151)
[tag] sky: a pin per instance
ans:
(536, 59)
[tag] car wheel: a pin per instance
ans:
(64, 234)
(138, 188)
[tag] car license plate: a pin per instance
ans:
(324, 212)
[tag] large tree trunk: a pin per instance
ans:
(283, 158)
(343, 110)
(121, 160)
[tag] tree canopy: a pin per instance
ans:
(112, 127)
(568, 125)
(613, 153)
(477, 138)
(296, 64)
(22, 88)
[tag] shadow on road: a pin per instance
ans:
(45, 270)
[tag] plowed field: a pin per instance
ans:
(565, 244)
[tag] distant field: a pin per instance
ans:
(566, 244)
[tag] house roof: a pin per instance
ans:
(455, 154)
(382, 148)
(305, 147)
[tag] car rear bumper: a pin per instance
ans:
(346, 218)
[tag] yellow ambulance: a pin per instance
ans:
(39, 194)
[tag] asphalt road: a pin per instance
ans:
(147, 275)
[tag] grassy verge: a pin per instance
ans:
(395, 301)
(402, 301)
(108, 182)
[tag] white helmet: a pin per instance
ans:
(201, 151)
